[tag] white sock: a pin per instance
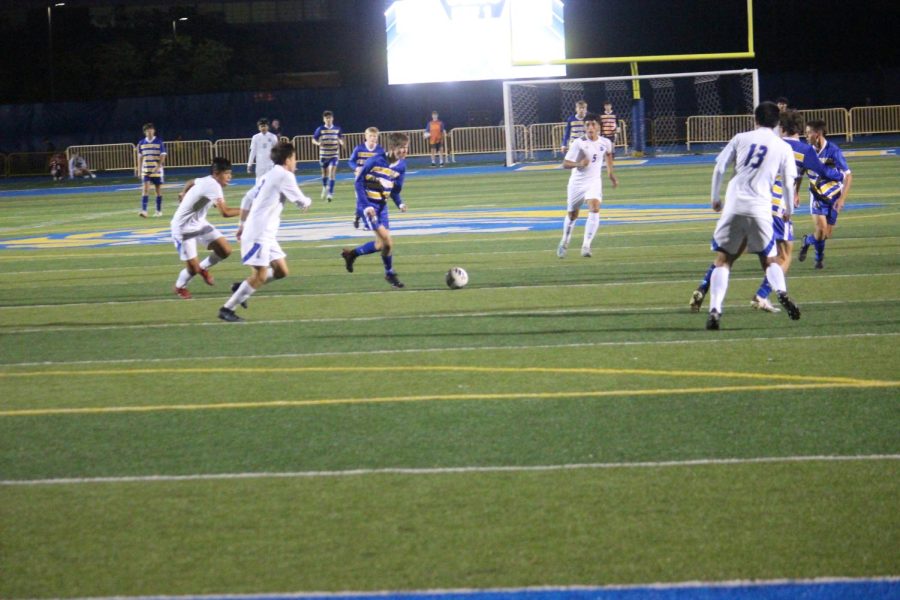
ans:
(245, 291)
(212, 259)
(183, 278)
(270, 274)
(568, 226)
(775, 275)
(718, 285)
(590, 228)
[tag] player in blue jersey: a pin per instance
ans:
(360, 155)
(380, 178)
(826, 195)
(329, 138)
(807, 162)
(151, 152)
(574, 125)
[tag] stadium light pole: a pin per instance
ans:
(50, 46)
(175, 29)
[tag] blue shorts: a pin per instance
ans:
(820, 207)
(784, 231)
(154, 179)
(327, 162)
(381, 214)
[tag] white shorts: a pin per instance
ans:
(577, 195)
(187, 242)
(260, 254)
(732, 230)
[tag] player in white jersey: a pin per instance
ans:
(260, 218)
(759, 156)
(190, 227)
(261, 149)
(585, 157)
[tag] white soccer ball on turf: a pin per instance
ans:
(457, 278)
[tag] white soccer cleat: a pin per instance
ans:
(586, 251)
(324, 193)
(561, 251)
(158, 213)
(763, 304)
(143, 214)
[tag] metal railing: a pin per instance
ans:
(716, 128)
(875, 119)
(548, 136)
(107, 157)
(837, 120)
(28, 163)
(194, 153)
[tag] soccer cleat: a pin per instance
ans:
(356, 222)
(207, 278)
(157, 213)
(226, 314)
(712, 321)
(764, 305)
(349, 258)
(561, 251)
(804, 249)
(234, 288)
(330, 197)
(819, 265)
(143, 214)
(586, 251)
(183, 293)
(393, 280)
(697, 300)
(792, 309)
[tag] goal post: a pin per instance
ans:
(659, 117)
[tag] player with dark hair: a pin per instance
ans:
(261, 149)
(574, 126)
(151, 153)
(260, 218)
(826, 195)
(379, 179)
(434, 133)
(190, 227)
(609, 124)
(329, 138)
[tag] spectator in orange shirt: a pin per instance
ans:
(434, 133)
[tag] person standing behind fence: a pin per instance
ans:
(434, 133)
(151, 158)
(261, 149)
(328, 138)
(609, 124)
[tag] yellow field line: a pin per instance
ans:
(434, 397)
(449, 369)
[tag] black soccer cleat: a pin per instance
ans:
(804, 249)
(712, 321)
(234, 288)
(394, 281)
(349, 259)
(792, 309)
(697, 300)
(356, 222)
(819, 265)
(226, 314)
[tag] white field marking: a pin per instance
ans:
(399, 317)
(476, 592)
(703, 462)
(443, 290)
(89, 217)
(244, 358)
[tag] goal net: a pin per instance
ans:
(535, 111)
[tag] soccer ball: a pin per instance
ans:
(457, 278)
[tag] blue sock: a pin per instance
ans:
(324, 181)
(765, 289)
(144, 200)
(704, 283)
(368, 248)
(331, 186)
(809, 239)
(820, 249)
(388, 263)
(159, 203)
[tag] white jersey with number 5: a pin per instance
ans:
(595, 151)
(759, 156)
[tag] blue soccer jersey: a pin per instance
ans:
(379, 180)
(362, 153)
(150, 153)
(807, 162)
(827, 189)
(329, 139)
(574, 129)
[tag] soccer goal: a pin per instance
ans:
(534, 111)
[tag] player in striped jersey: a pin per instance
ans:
(574, 126)
(380, 178)
(151, 157)
(360, 155)
(609, 124)
(807, 162)
(329, 139)
(826, 195)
